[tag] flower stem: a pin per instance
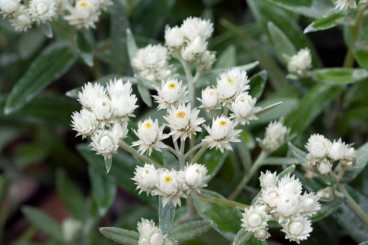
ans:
(134, 152)
(181, 154)
(248, 177)
(222, 201)
(188, 74)
(350, 201)
(199, 154)
(192, 150)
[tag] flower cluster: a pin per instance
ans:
(150, 234)
(322, 153)
(189, 42)
(104, 115)
(345, 5)
(300, 63)
(275, 137)
(84, 13)
(281, 200)
(170, 184)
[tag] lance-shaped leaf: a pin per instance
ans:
(331, 20)
(85, 46)
(268, 108)
(166, 216)
(213, 159)
(242, 237)
(327, 209)
(120, 236)
(189, 230)
(300, 155)
(339, 76)
(257, 84)
(281, 43)
(145, 95)
(41, 73)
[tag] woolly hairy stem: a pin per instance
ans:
(190, 82)
(181, 154)
(172, 150)
(199, 154)
(193, 149)
(134, 152)
(350, 201)
(222, 201)
(248, 176)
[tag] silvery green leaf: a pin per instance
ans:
(46, 29)
(242, 237)
(145, 95)
(165, 216)
(281, 43)
(121, 236)
(131, 45)
(300, 155)
(268, 108)
(189, 230)
(289, 170)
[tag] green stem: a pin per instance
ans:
(189, 76)
(222, 201)
(199, 154)
(248, 177)
(181, 154)
(350, 201)
(134, 152)
(193, 149)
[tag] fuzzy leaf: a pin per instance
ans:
(268, 108)
(281, 43)
(213, 159)
(361, 163)
(120, 236)
(131, 45)
(300, 155)
(339, 75)
(165, 216)
(327, 209)
(227, 58)
(85, 47)
(331, 20)
(189, 230)
(361, 54)
(242, 237)
(257, 84)
(145, 95)
(289, 170)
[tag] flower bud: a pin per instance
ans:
(318, 146)
(9, 6)
(195, 175)
(209, 98)
(146, 178)
(261, 234)
(324, 166)
(267, 179)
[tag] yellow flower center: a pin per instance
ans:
(148, 125)
(104, 103)
(172, 85)
(168, 179)
(83, 4)
(198, 171)
(181, 114)
(242, 100)
(230, 80)
(223, 123)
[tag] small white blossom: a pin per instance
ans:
(345, 5)
(117, 88)
(309, 204)
(21, 20)
(301, 62)
(146, 178)
(231, 83)
(123, 106)
(275, 136)
(267, 179)
(318, 146)
(222, 133)
(254, 218)
(194, 49)
(206, 60)
(172, 93)
(244, 109)
(270, 196)
(90, 93)
(149, 233)
(324, 166)
(42, 10)
(150, 136)
(120, 130)
(195, 176)
(84, 14)
(170, 186)
(194, 27)
(104, 143)
(174, 37)
(8, 7)
(210, 100)
(289, 185)
(287, 205)
(102, 108)
(183, 121)
(84, 122)
(349, 157)
(151, 63)
(297, 229)
(261, 234)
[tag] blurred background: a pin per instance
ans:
(44, 166)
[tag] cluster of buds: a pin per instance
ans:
(150, 234)
(188, 42)
(84, 13)
(275, 136)
(104, 115)
(322, 153)
(170, 184)
(300, 63)
(281, 200)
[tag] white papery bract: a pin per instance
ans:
(123, 106)
(119, 129)
(171, 94)
(255, 218)
(261, 234)
(341, 151)
(345, 5)
(194, 49)
(275, 136)
(84, 122)
(84, 14)
(195, 176)
(104, 143)
(269, 196)
(170, 186)
(287, 205)
(8, 7)
(318, 146)
(297, 229)
(42, 10)
(117, 88)
(194, 27)
(244, 109)
(183, 121)
(21, 20)
(90, 93)
(267, 179)
(150, 234)
(146, 178)
(309, 204)
(222, 133)
(324, 166)
(289, 185)
(174, 37)
(206, 60)
(231, 83)
(300, 63)
(151, 63)
(210, 100)
(150, 136)
(102, 108)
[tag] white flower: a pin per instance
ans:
(71, 229)
(261, 234)
(102, 108)
(244, 109)
(150, 136)
(183, 121)
(151, 63)
(172, 93)
(287, 205)
(210, 100)
(194, 49)
(195, 176)
(90, 93)
(255, 217)
(123, 106)
(231, 83)
(345, 5)
(275, 136)
(104, 143)
(337, 150)
(349, 157)
(324, 166)
(103, 4)
(8, 7)
(42, 10)
(146, 178)
(170, 186)
(117, 88)
(267, 179)
(120, 131)
(270, 196)
(309, 204)
(206, 60)
(222, 133)
(84, 122)
(289, 185)
(84, 14)
(318, 146)
(194, 27)
(174, 37)
(21, 20)
(149, 233)
(297, 229)
(301, 62)
(326, 193)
